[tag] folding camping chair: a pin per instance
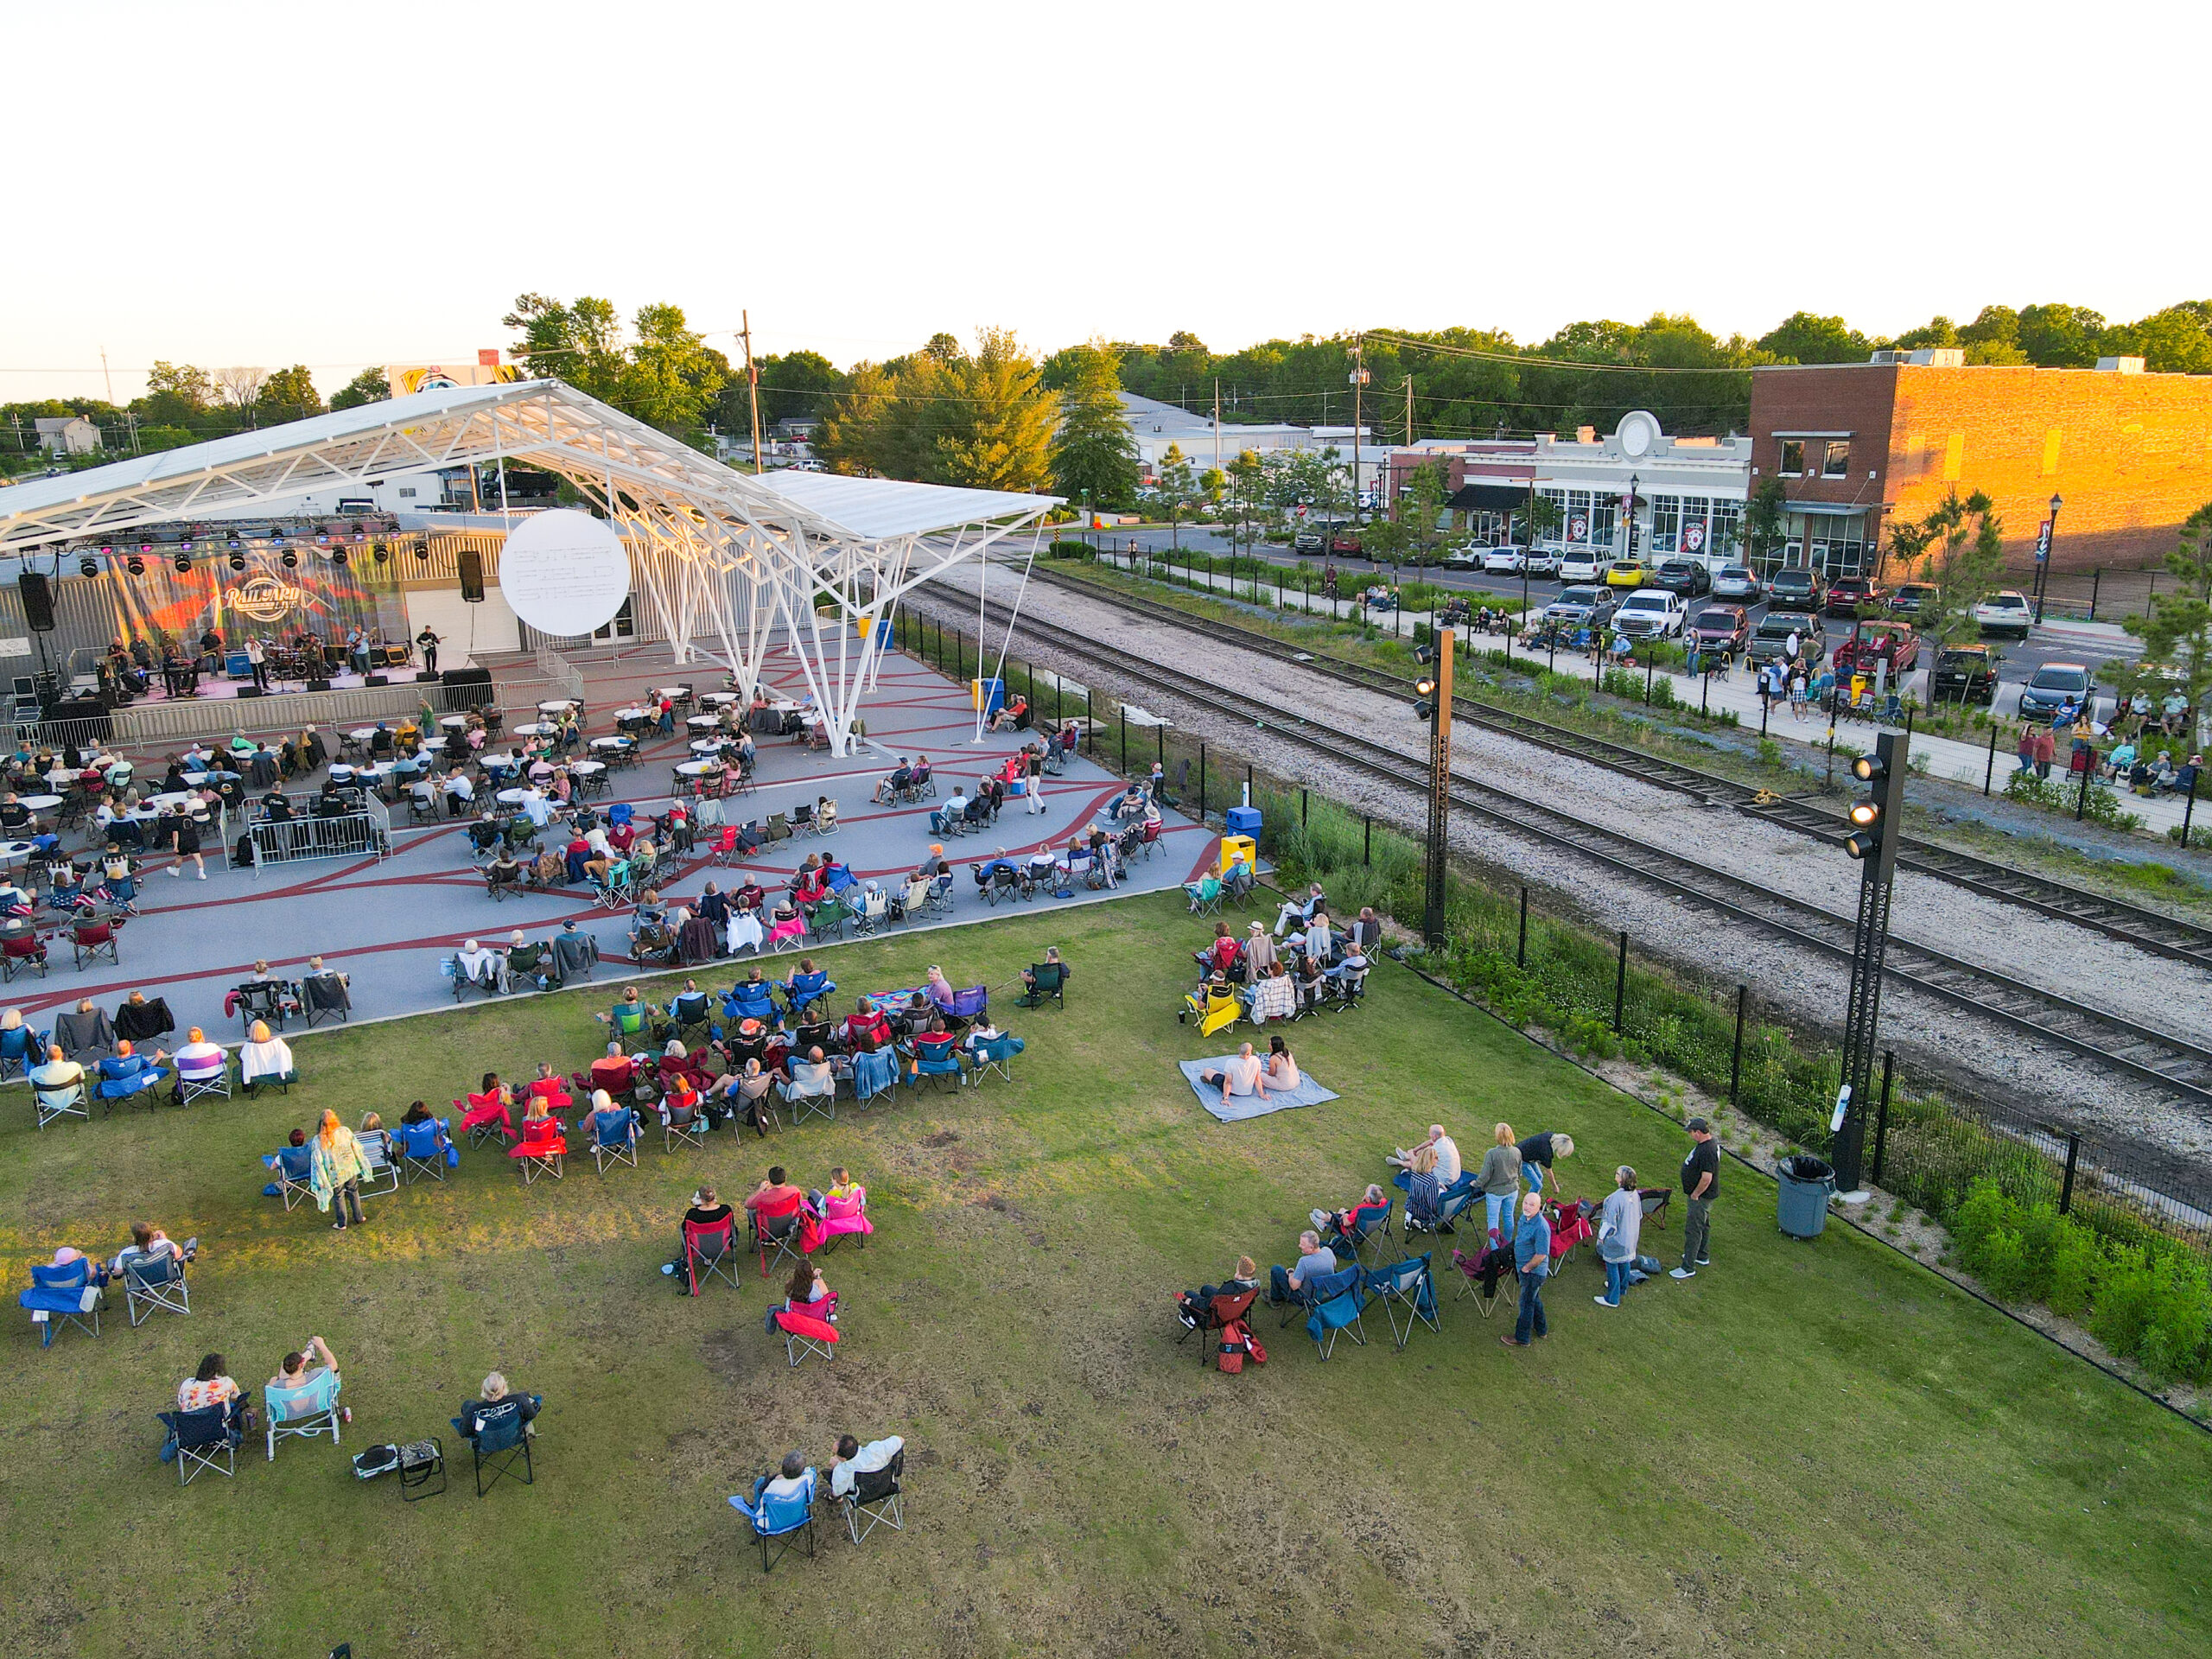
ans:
(324, 996)
(816, 1099)
(873, 1073)
(691, 1011)
(709, 1251)
(682, 1126)
(1482, 1272)
(782, 1231)
(423, 1148)
(19, 1046)
(303, 1413)
(1219, 1314)
(485, 1115)
(203, 1439)
(1405, 1286)
(1363, 1232)
(66, 1100)
(383, 1176)
(61, 1296)
(944, 1064)
(804, 1334)
(293, 1166)
(615, 1142)
(1337, 1299)
(1570, 1220)
(1451, 1204)
(156, 1284)
(874, 1496)
(843, 1215)
(540, 1149)
(1048, 984)
(501, 1441)
(784, 1518)
(1205, 895)
(198, 1076)
(995, 1054)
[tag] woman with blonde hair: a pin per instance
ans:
(336, 1169)
(1499, 1179)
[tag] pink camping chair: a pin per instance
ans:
(789, 934)
(845, 1215)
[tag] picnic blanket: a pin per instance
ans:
(1240, 1106)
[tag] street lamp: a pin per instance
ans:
(1877, 825)
(1433, 690)
(2046, 533)
(1627, 528)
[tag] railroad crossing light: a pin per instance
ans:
(1869, 769)
(1866, 814)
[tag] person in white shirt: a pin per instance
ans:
(198, 1053)
(1241, 1074)
(536, 808)
(854, 1460)
(1296, 909)
(1448, 1164)
(265, 1057)
(484, 967)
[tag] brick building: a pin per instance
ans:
(1854, 444)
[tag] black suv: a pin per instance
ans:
(1964, 674)
(1688, 577)
(1797, 589)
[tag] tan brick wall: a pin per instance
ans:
(2131, 453)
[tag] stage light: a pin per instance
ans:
(184, 543)
(183, 562)
(106, 551)
(146, 548)
(237, 560)
(338, 556)
(381, 553)
(322, 539)
(359, 534)
(88, 566)
(289, 559)
(135, 565)
(422, 549)
(235, 545)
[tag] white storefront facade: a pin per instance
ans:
(1688, 493)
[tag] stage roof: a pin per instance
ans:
(875, 509)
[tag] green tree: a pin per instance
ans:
(369, 386)
(1993, 336)
(2178, 629)
(1211, 483)
(580, 343)
(2062, 336)
(1429, 490)
(289, 395)
(1764, 535)
(946, 415)
(1539, 519)
(671, 377)
(791, 385)
(1179, 491)
(1093, 452)
(1803, 338)
(1959, 547)
(2177, 340)
(191, 389)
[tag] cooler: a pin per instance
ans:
(1235, 847)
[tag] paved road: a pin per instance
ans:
(2059, 643)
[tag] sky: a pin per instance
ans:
(348, 185)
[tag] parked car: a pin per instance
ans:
(1345, 544)
(1797, 589)
(1721, 627)
(1507, 559)
(1541, 561)
(1847, 594)
(1649, 613)
(2055, 686)
(1463, 558)
(1628, 573)
(1582, 607)
(1964, 674)
(1894, 643)
(1579, 564)
(1910, 596)
(1308, 541)
(1688, 577)
(1771, 640)
(1738, 581)
(2007, 612)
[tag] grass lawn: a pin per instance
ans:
(1807, 1449)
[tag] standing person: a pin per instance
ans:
(1537, 1152)
(2046, 750)
(257, 658)
(186, 836)
(1620, 1226)
(1532, 1254)
(1035, 797)
(1499, 1179)
(1701, 1185)
(337, 1169)
(428, 641)
(2026, 748)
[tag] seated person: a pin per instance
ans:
(1260, 953)
(303, 1369)
(211, 1385)
(795, 1480)
(1223, 955)
(1241, 1074)
(1130, 803)
(59, 1079)
(825, 814)
(505, 870)
(1300, 910)
(605, 1115)
(745, 1092)
(933, 1045)
(887, 789)
(811, 1077)
(952, 811)
(1029, 974)
(1274, 995)
(148, 1241)
(548, 1086)
(1319, 940)
(1350, 965)
(977, 1034)
(1345, 1224)
(1366, 933)
(198, 1055)
(867, 1019)
(481, 967)
(854, 1460)
(498, 1407)
(1315, 1261)
(706, 1210)
(613, 1071)
(807, 1291)
(128, 1072)
(631, 1017)
(773, 1197)
(806, 983)
(530, 962)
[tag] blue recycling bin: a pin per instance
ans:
(1242, 821)
(989, 695)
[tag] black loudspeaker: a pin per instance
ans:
(318, 685)
(38, 602)
(248, 691)
(472, 575)
(466, 677)
(428, 675)
(379, 679)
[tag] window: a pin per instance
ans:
(1793, 457)
(1578, 517)
(1666, 522)
(1558, 499)
(1837, 464)
(1724, 535)
(1604, 511)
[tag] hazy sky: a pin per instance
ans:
(342, 186)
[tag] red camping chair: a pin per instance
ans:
(804, 1334)
(20, 952)
(710, 1250)
(1222, 1312)
(790, 1241)
(1570, 1220)
(92, 940)
(482, 1116)
(540, 1149)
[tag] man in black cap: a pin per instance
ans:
(1701, 1185)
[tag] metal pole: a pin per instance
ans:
(2187, 811)
(1159, 737)
(1301, 809)
(1620, 983)
(1870, 944)
(2066, 1186)
(1520, 949)
(1367, 844)
(1881, 1116)
(2097, 581)
(1440, 794)
(1090, 730)
(1735, 1058)
(1201, 783)
(1989, 773)
(2088, 770)
(1124, 723)
(1650, 667)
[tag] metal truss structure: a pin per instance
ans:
(725, 559)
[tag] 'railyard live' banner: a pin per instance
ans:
(264, 598)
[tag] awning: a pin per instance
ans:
(1826, 509)
(1487, 498)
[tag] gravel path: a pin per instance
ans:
(1996, 1059)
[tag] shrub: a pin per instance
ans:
(2004, 1272)
(2075, 1257)
(2178, 1317)
(2120, 1309)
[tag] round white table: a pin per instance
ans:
(178, 797)
(710, 746)
(511, 797)
(632, 713)
(15, 852)
(673, 693)
(453, 723)
(558, 706)
(694, 769)
(784, 706)
(703, 722)
(586, 768)
(363, 734)
(40, 803)
(536, 728)
(717, 699)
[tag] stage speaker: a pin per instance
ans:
(379, 679)
(426, 676)
(247, 692)
(472, 575)
(318, 685)
(466, 677)
(38, 602)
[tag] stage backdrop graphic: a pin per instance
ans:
(264, 598)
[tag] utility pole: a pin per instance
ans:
(751, 383)
(105, 376)
(1877, 822)
(1217, 422)
(1436, 707)
(1409, 412)
(1358, 381)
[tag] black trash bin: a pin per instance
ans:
(1805, 1183)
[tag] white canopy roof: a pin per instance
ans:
(874, 509)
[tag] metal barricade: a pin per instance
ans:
(363, 833)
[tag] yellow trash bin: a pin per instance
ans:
(1235, 847)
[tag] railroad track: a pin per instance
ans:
(2108, 1038)
(2148, 930)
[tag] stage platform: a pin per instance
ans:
(390, 925)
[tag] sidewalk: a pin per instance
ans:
(1967, 764)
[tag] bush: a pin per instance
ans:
(2075, 1255)
(2061, 795)
(2120, 1309)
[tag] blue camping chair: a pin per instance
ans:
(1337, 1301)
(304, 1411)
(1405, 1288)
(749, 1001)
(501, 1441)
(124, 1076)
(61, 1100)
(614, 1140)
(19, 1046)
(423, 1148)
(295, 1169)
(205, 1438)
(1366, 1235)
(781, 1518)
(946, 1065)
(805, 987)
(60, 1296)
(995, 1054)
(1452, 1202)
(873, 1074)
(155, 1284)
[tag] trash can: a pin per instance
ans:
(988, 696)
(1235, 847)
(1805, 1183)
(1241, 820)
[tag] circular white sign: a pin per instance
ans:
(1638, 432)
(565, 572)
